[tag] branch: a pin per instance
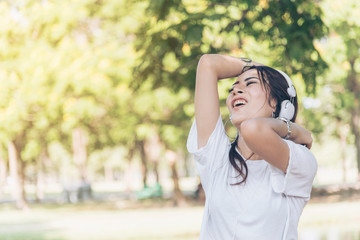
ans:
(235, 22)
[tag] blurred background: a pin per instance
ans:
(96, 101)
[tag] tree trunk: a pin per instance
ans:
(3, 175)
(144, 168)
(179, 198)
(79, 144)
(16, 167)
(128, 176)
(156, 171)
(187, 167)
(40, 177)
(354, 87)
(153, 149)
(342, 137)
(22, 201)
(355, 118)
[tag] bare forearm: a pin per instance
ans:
(264, 137)
(298, 134)
(210, 69)
(220, 66)
(269, 124)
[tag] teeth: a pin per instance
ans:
(239, 102)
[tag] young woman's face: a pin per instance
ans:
(248, 98)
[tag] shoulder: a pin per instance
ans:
(300, 151)
(302, 158)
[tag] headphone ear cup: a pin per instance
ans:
(287, 110)
(291, 91)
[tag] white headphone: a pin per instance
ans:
(287, 110)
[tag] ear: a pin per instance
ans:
(273, 104)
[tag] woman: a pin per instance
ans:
(257, 186)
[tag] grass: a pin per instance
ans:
(110, 218)
(332, 220)
(94, 221)
(110, 221)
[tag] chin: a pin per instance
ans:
(237, 122)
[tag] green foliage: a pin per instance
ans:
(189, 29)
(338, 50)
(338, 93)
(121, 69)
(31, 150)
(64, 69)
(174, 34)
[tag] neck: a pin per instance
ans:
(245, 151)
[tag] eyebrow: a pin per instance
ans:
(246, 79)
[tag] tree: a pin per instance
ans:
(63, 80)
(340, 50)
(174, 34)
(178, 32)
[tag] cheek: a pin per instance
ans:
(260, 95)
(262, 100)
(228, 101)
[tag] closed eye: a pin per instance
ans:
(250, 82)
(230, 90)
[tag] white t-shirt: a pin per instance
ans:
(267, 206)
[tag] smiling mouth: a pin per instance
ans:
(239, 103)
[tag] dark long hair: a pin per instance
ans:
(275, 86)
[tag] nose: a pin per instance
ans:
(237, 90)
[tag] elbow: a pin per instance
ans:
(205, 61)
(250, 128)
(205, 57)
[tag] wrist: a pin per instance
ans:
(247, 65)
(288, 126)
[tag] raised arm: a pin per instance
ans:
(264, 137)
(210, 69)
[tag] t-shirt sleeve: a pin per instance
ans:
(300, 173)
(209, 157)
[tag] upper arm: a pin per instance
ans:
(263, 140)
(206, 99)
(211, 68)
(300, 173)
